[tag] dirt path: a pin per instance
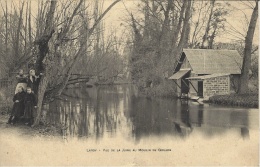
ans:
(20, 129)
(23, 145)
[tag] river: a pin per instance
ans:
(113, 125)
(112, 111)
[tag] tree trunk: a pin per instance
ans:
(30, 25)
(6, 29)
(205, 37)
(185, 29)
(243, 84)
(212, 37)
(17, 40)
(43, 47)
(25, 28)
(40, 97)
(163, 40)
(178, 28)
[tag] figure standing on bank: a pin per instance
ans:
(22, 80)
(18, 107)
(30, 106)
(33, 81)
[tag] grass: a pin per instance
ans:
(244, 100)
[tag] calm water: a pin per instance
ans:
(112, 111)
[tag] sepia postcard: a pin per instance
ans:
(129, 83)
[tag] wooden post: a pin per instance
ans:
(193, 86)
(176, 83)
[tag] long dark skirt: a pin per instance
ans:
(18, 109)
(28, 111)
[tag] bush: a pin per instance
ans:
(164, 89)
(6, 99)
(245, 100)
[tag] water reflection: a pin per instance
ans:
(110, 111)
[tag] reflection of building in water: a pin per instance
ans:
(219, 120)
(182, 120)
(113, 111)
(245, 133)
(160, 117)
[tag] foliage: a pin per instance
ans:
(245, 100)
(157, 41)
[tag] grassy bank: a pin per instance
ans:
(245, 100)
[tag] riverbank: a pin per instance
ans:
(46, 130)
(243, 100)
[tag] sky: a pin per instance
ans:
(114, 20)
(235, 18)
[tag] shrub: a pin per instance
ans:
(245, 100)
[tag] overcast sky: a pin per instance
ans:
(115, 17)
(235, 19)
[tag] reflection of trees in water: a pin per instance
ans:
(109, 110)
(218, 120)
(240, 119)
(179, 118)
(90, 112)
(245, 132)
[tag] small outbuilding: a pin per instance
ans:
(207, 72)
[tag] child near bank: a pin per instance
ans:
(18, 107)
(30, 106)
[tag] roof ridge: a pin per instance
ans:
(211, 49)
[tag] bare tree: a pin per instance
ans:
(45, 59)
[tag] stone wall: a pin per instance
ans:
(216, 86)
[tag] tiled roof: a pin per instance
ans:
(208, 61)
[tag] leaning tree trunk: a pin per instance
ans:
(46, 67)
(43, 51)
(243, 84)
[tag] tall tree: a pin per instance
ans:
(243, 84)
